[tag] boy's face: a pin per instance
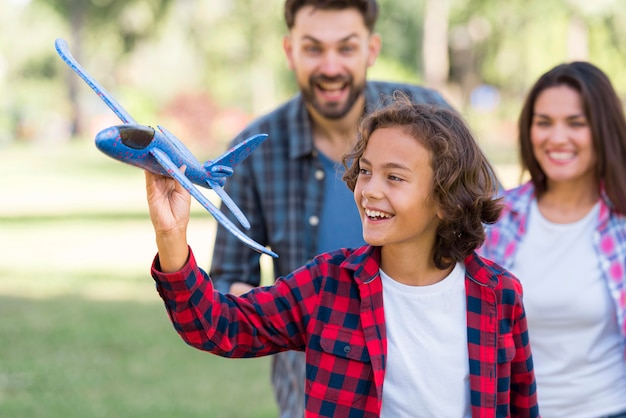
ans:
(330, 51)
(393, 191)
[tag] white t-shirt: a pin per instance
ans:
(575, 340)
(427, 370)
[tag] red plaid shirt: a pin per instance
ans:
(332, 309)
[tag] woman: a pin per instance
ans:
(563, 234)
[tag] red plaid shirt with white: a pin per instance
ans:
(332, 309)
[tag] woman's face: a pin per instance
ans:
(561, 137)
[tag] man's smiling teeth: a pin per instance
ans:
(376, 214)
(563, 155)
(331, 86)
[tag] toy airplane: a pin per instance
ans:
(160, 152)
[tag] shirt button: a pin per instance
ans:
(319, 174)
(346, 349)
(314, 220)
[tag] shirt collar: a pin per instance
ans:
(481, 272)
(365, 262)
(520, 198)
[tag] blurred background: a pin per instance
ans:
(82, 331)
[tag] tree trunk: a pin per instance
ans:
(435, 43)
(76, 26)
(577, 39)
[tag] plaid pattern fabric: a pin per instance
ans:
(502, 241)
(278, 190)
(332, 309)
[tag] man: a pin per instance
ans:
(290, 188)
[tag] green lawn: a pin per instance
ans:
(69, 356)
(82, 330)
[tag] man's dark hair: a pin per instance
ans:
(367, 8)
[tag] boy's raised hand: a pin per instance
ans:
(169, 204)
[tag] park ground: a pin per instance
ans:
(82, 330)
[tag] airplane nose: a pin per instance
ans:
(107, 137)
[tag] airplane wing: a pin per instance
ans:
(64, 52)
(172, 170)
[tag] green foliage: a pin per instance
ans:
(129, 19)
(387, 68)
(156, 56)
(400, 24)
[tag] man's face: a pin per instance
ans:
(330, 51)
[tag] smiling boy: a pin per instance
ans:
(291, 187)
(415, 311)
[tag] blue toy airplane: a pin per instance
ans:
(160, 152)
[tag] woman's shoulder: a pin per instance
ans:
(523, 191)
(516, 201)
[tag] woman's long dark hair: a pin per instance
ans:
(605, 115)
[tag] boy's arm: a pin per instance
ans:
(253, 325)
(265, 321)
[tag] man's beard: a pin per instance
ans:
(332, 110)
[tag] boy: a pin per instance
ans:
(291, 187)
(416, 310)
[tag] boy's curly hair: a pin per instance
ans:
(464, 183)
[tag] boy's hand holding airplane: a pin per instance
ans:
(169, 204)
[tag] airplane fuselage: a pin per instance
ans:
(133, 144)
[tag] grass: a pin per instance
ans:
(68, 356)
(83, 332)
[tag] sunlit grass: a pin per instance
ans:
(71, 357)
(83, 332)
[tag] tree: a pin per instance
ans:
(435, 43)
(130, 20)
